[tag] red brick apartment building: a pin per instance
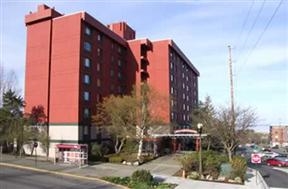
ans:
(73, 61)
(279, 135)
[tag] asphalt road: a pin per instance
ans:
(273, 177)
(11, 178)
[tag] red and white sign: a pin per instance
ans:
(255, 158)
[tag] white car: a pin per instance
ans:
(269, 154)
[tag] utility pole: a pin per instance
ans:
(231, 85)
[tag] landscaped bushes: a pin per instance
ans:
(142, 176)
(212, 162)
(239, 167)
(140, 179)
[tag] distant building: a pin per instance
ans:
(73, 61)
(279, 135)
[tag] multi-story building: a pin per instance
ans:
(73, 61)
(278, 135)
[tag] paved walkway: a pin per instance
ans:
(162, 169)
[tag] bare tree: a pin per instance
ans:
(229, 132)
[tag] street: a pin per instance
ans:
(273, 177)
(11, 178)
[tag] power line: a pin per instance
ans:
(246, 19)
(265, 29)
(252, 27)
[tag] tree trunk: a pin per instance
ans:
(208, 145)
(229, 154)
(140, 146)
(116, 145)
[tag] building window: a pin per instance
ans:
(119, 50)
(119, 75)
(120, 90)
(172, 90)
(87, 62)
(171, 77)
(86, 96)
(112, 87)
(119, 63)
(86, 113)
(85, 130)
(86, 79)
(97, 98)
(88, 30)
(98, 83)
(111, 73)
(98, 67)
(99, 52)
(87, 46)
(99, 37)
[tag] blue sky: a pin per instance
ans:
(203, 30)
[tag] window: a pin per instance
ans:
(98, 67)
(172, 90)
(86, 113)
(88, 30)
(98, 83)
(86, 79)
(86, 95)
(87, 46)
(99, 52)
(112, 87)
(85, 130)
(119, 75)
(111, 73)
(99, 37)
(119, 63)
(87, 62)
(97, 98)
(120, 90)
(171, 77)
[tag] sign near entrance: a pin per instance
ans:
(255, 158)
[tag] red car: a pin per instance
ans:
(278, 161)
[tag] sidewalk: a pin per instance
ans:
(162, 169)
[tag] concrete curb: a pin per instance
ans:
(60, 173)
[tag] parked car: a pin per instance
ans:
(269, 154)
(278, 161)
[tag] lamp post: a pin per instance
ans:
(199, 128)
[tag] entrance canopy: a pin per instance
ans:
(178, 135)
(71, 146)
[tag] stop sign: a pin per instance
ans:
(255, 158)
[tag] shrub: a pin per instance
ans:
(130, 146)
(143, 176)
(212, 162)
(239, 167)
(189, 161)
(115, 158)
(129, 157)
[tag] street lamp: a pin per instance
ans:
(199, 128)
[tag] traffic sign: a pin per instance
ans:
(255, 158)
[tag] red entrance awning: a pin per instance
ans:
(71, 146)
